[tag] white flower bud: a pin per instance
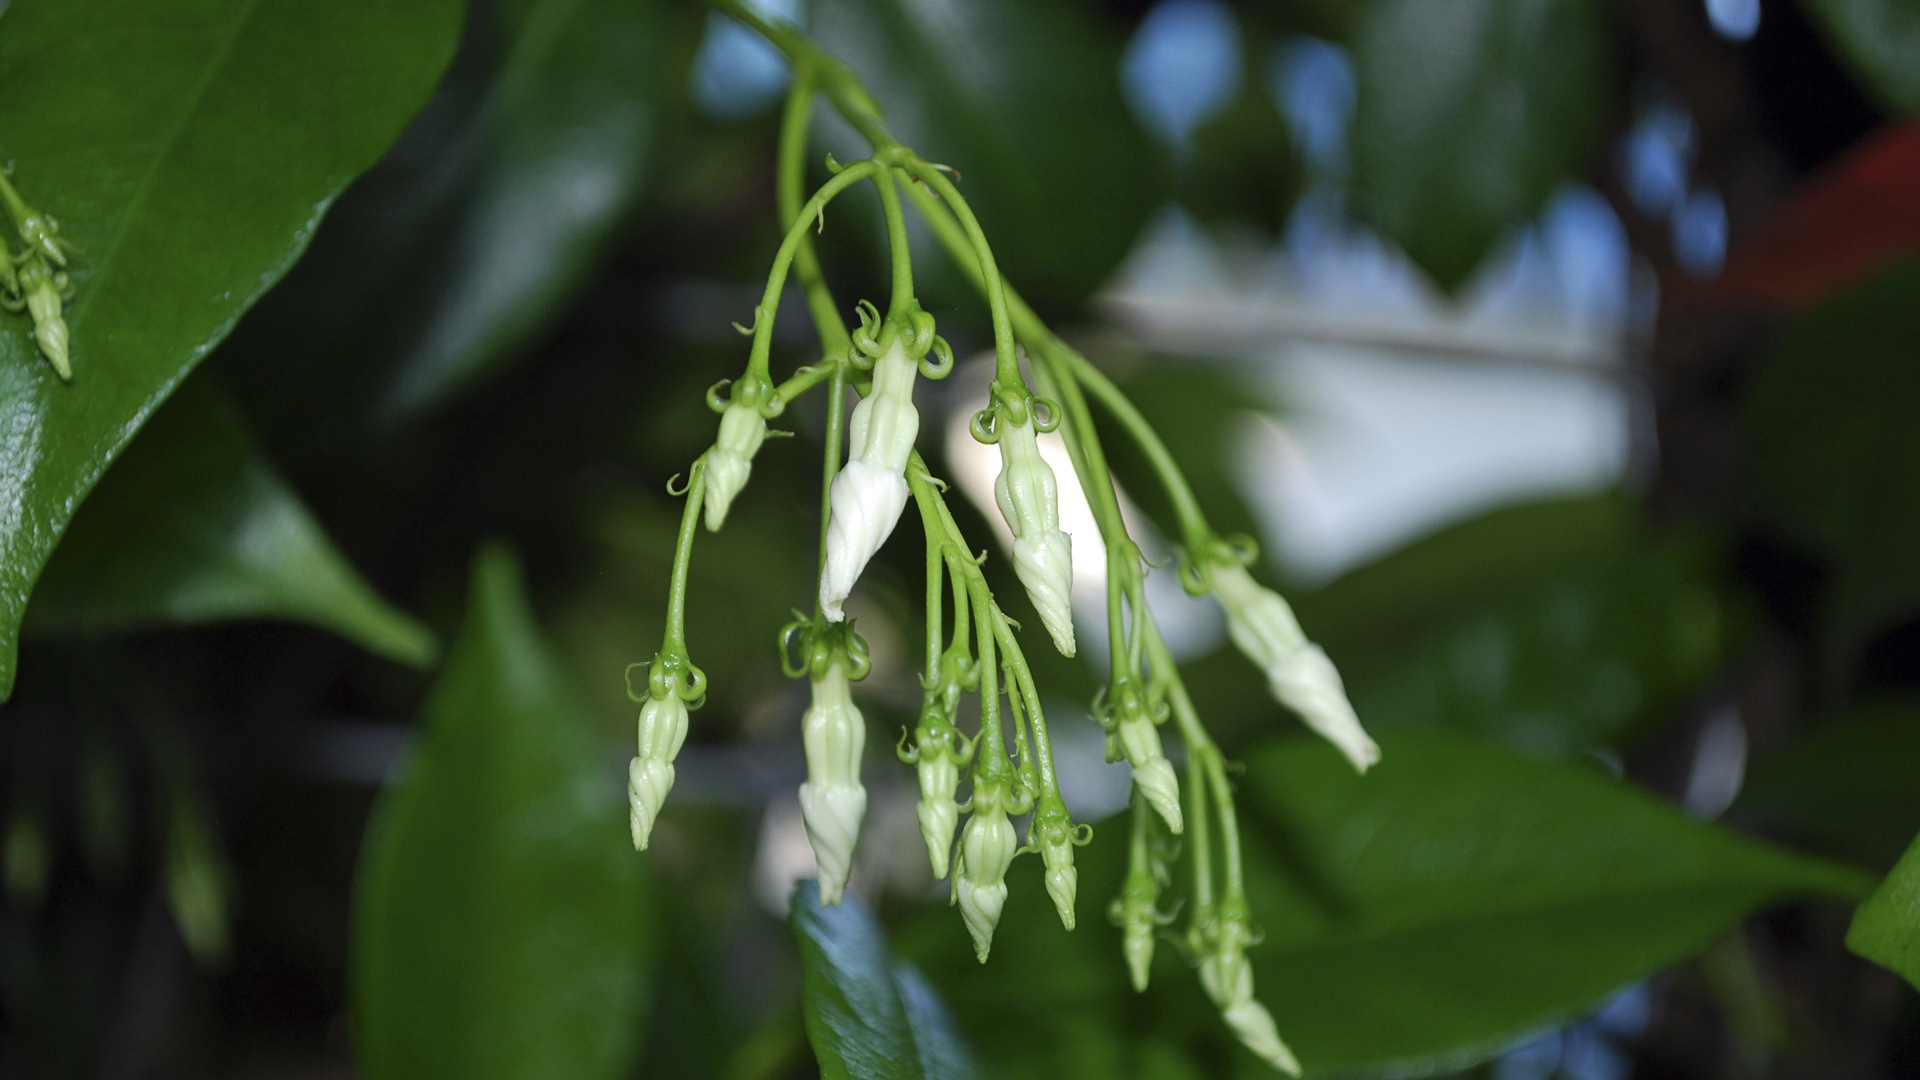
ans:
(1299, 674)
(742, 430)
(868, 495)
(1051, 831)
(1152, 772)
(663, 727)
(1042, 557)
(938, 813)
(832, 801)
(1253, 1025)
(986, 850)
(1228, 980)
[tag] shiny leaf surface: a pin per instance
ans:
(1886, 929)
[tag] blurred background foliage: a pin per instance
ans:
(1560, 353)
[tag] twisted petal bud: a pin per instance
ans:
(1228, 980)
(868, 495)
(1137, 913)
(1299, 674)
(1051, 832)
(939, 771)
(986, 850)
(742, 430)
(1152, 773)
(1029, 500)
(832, 801)
(663, 727)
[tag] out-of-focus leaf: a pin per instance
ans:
(1023, 97)
(1879, 40)
(1245, 169)
(1423, 915)
(502, 915)
(188, 150)
(462, 244)
(193, 525)
(1200, 402)
(1468, 114)
(1835, 455)
(1847, 787)
(870, 1017)
(1553, 626)
(1886, 929)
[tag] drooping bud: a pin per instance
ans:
(868, 495)
(1136, 911)
(832, 801)
(1042, 556)
(987, 846)
(1053, 834)
(742, 430)
(1221, 942)
(43, 289)
(1132, 735)
(1299, 674)
(936, 759)
(663, 727)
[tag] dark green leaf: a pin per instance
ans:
(1202, 402)
(1245, 169)
(1023, 97)
(1886, 929)
(188, 150)
(193, 526)
(1880, 40)
(502, 915)
(1835, 454)
(1468, 114)
(1428, 913)
(1846, 787)
(869, 1016)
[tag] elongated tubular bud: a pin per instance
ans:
(939, 777)
(42, 292)
(832, 801)
(742, 430)
(868, 495)
(1042, 556)
(1152, 772)
(662, 728)
(1051, 831)
(987, 846)
(1228, 979)
(1299, 673)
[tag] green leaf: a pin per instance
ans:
(1879, 39)
(1845, 787)
(193, 526)
(1023, 97)
(1429, 913)
(1886, 929)
(502, 916)
(870, 1017)
(1468, 114)
(1835, 456)
(1202, 402)
(188, 148)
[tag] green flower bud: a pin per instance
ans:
(1042, 557)
(832, 801)
(937, 764)
(662, 728)
(43, 290)
(987, 847)
(1299, 674)
(1052, 833)
(1221, 942)
(742, 430)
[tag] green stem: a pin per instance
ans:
(836, 423)
(902, 300)
(842, 87)
(1007, 365)
(791, 172)
(676, 634)
(763, 315)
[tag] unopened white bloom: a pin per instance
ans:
(939, 776)
(663, 727)
(1152, 772)
(1298, 672)
(742, 430)
(1029, 500)
(987, 847)
(1228, 980)
(1051, 831)
(832, 802)
(868, 495)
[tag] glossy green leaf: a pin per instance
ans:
(1886, 929)
(1835, 456)
(870, 1017)
(1468, 114)
(192, 526)
(1023, 97)
(502, 919)
(1846, 787)
(188, 148)
(1450, 901)
(1880, 40)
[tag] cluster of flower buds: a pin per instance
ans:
(1219, 939)
(673, 686)
(743, 427)
(1299, 674)
(35, 280)
(834, 735)
(869, 493)
(1029, 500)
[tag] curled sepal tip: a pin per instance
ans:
(832, 800)
(1299, 673)
(987, 847)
